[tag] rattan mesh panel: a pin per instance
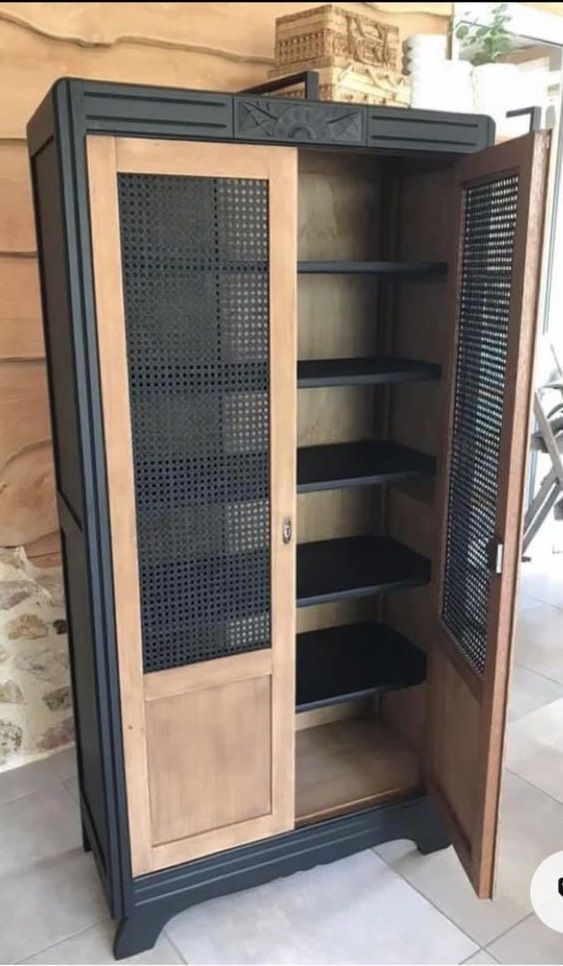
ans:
(195, 276)
(486, 274)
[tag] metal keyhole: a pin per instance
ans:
(286, 529)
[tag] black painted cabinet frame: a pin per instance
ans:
(56, 134)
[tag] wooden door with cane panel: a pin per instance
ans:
(499, 194)
(194, 258)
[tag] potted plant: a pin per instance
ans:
(495, 84)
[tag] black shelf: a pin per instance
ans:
(358, 464)
(314, 373)
(355, 567)
(403, 269)
(339, 663)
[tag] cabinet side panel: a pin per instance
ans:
(58, 326)
(84, 681)
(62, 326)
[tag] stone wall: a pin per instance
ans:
(35, 698)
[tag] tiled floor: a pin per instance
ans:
(389, 905)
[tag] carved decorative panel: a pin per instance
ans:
(278, 120)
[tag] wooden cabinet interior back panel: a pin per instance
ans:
(338, 206)
(336, 612)
(335, 513)
(338, 218)
(337, 313)
(209, 755)
(418, 329)
(351, 763)
(334, 414)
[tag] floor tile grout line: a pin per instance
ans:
(539, 674)
(63, 782)
(62, 939)
(489, 953)
(535, 787)
(52, 783)
(173, 944)
(506, 931)
(481, 949)
(467, 958)
(429, 901)
(32, 791)
(546, 603)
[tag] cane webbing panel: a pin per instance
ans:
(486, 274)
(196, 281)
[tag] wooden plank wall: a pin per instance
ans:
(223, 46)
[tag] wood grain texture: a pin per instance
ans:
(24, 421)
(45, 551)
(21, 333)
(531, 156)
(282, 176)
(244, 32)
(472, 791)
(214, 46)
(349, 764)
(27, 504)
(207, 674)
(17, 230)
(339, 207)
(230, 700)
(112, 349)
(209, 754)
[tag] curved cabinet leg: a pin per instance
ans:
(428, 833)
(432, 841)
(137, 933)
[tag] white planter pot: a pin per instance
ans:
(444, 86)
(432, 44)
(495, 91)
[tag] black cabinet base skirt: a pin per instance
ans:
(159, 896)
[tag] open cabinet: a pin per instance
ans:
(290, 352)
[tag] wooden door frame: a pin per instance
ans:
(106, 156)
(526, 157)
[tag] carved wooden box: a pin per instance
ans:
(357, 83)
(331, 36)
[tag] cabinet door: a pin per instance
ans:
(194, 259)
(500, 200)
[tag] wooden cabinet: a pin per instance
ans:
(290, 355)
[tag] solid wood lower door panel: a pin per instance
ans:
(210, 756)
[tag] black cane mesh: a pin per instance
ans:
(195, 276)
(487, 255)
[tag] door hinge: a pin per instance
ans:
(495, 553)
